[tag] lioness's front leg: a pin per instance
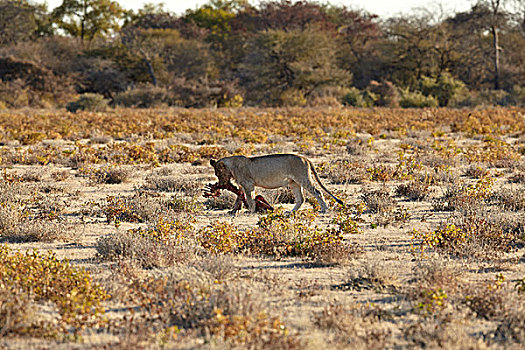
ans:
(237, 205)
(248, 191)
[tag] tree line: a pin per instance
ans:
(230, 53)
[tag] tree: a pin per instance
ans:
(167, 51)
(290, 64)
(88, 19)
(216, 17)
(361, 37)
(21, 21)
(283, 15)
(410, 49)
(482, 28)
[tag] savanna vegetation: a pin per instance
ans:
(108, 241)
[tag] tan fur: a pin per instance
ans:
(271, 171)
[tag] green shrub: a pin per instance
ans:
(221, 237)
(228, 101)
(88, 102)
(415, 99)
(354, 98)
(292, 97)
(146, 96)
(495, 97)
(445, 88)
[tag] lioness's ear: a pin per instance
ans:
(213, 162)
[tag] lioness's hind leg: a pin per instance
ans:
(318, 195)
(298, 194)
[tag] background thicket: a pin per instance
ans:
(230, 53)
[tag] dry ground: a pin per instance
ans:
(436, 259)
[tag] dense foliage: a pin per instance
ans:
(276, 53)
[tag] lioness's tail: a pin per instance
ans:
(321, 184)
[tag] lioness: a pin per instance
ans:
(271, 171)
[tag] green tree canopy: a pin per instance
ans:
(88, 19)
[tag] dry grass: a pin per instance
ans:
(172, 183)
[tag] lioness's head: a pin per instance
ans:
(221, 171)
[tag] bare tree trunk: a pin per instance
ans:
(151, 72)
(495, 4)
(496, 57)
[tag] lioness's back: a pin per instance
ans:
(278, 156)
(291, 162)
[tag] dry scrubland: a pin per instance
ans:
(428, 252)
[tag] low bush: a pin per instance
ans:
(465, 197)
(509, 198)
(444, 88)
(146, 96)
(378, 201)
(159, 245)
(88, 102)
(283, 235)
(283, 195)
(355, 325)
(220, 237)
(357, 147)
(344, 171)
(415, 189)
(490, 301)
(143, 206)
(511, 329)
(222, 202)
(382, 173)
(28, 219)
(287, 235)
(468, 235)
(371, 276)
(172, 183)
(476, 171)
(415, 99)
(36, 278)
(354, 98)
(110, 175)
